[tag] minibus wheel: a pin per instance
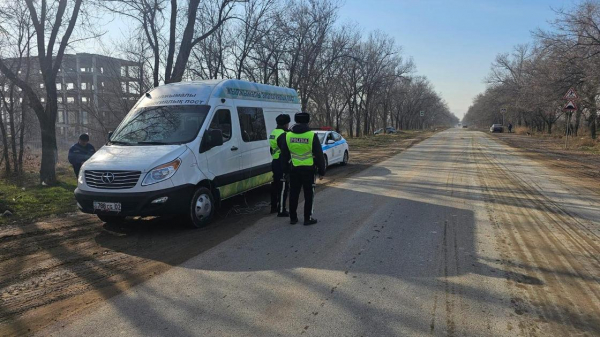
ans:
(202, 207)
(113, 219)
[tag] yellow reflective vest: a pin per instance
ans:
(300, 146)
(275, 150)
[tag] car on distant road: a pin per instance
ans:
(389, 129)
(496, 128)
(335, 147)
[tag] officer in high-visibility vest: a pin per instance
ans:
(302, 158)
(279, 186)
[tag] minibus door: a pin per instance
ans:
(225, 161)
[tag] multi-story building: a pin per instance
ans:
(94, 93)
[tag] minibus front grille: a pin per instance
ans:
(113, 180)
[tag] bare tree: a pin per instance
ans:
(49, 21)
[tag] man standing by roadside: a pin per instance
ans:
(80, 152)
(301, 157)
(279, 186)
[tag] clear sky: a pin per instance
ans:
(453, 42)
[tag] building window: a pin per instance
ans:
(58, 86)
(60, 117)
(60, 99)
(123, 71)
(21, 100)
(101, 70)
(102, 84)
(84, 117)
(70, 86)
(83, 70)
(42, 100)
(133, 88)
(70, 99)
(83, 86)
(41, 85)
(124, 86)
(133, 71)
(252, 124)
(84, 99)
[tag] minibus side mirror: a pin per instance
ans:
(212, 138)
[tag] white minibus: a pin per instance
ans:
(183, 148)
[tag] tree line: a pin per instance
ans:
(529, 83)
(353, 81)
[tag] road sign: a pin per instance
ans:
(422, 113)
(570, 106)
(571, 95)
(503, 110)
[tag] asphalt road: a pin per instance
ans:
(456, 236)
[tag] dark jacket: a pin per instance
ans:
(317, 152)
(79, 154)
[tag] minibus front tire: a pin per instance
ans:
(202, 208)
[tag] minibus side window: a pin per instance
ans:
(222, 121)
(252, 124)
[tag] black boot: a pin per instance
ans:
(293, 221)
(283, 214)
(310, 221)
(274, 210)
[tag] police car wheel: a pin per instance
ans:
(201, 208)
(114, 219)
(326, 162)
(345, 160)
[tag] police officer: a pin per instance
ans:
(301, 157)
(279, 186)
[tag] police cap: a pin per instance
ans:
(283, 119)
(302, 117)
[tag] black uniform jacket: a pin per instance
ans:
(317, 152)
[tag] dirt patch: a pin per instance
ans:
(550, 151)
(53, 269)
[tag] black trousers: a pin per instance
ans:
(279, 188)
(76, 169)
(304, 180)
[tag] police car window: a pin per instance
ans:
(337, 136)
(222, 121)
(252, 124)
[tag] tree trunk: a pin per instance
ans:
(5, 147)
(47, 169)
(577, 120)
(593, 119)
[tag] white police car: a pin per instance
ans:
(335, 147)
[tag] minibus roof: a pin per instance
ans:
(200, 92)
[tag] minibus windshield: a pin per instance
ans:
(161, 125)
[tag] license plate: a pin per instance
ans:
(114, 207)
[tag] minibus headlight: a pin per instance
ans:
(162, 172)
(80, 177)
